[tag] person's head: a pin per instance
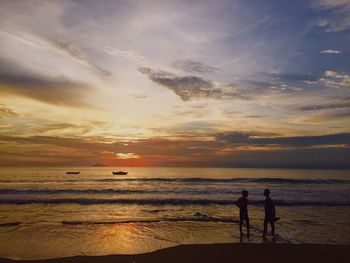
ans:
(245, 193)
(266, 192)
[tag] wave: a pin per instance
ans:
(72, 191)
(192, 180)
(182, 190)
(10, 224)
(229, 180)
(159, 202)
(181, 219)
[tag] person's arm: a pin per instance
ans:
(238, 203)
(273, 209)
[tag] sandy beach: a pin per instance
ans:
(223, 253)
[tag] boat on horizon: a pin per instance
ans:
(71, 172)
(120, 173)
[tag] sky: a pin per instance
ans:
(175, 83)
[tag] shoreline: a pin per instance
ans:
(239, 252)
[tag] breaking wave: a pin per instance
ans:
(169, 201)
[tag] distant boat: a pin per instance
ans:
(120, 173)
(73, 172)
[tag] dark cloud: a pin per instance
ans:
(193, 87)
(87, 145)
(337, 105)
(7, 112)
(255, 116)
(256, 139)
(193, 66)
(341, 103)
(58, 91)
(306, 158)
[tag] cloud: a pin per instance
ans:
(127, 156)
(6, 112)
(51, 91)
(193, 87)
(331, 51)
(328, 106)
(339, 14)
(289, 77)
(57, 91)
(241, 138)
(193, 66)
(49, 127)
(14, 80)
(59, 47)
(139, 96)
(238, 149)
(129, 54)
(334, 79)
(331, 74)
(320, 158)
(326, 117)
(75, 51)
(255, 116)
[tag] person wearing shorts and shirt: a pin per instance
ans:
(242, 204)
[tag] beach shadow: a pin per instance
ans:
(269, 240)
(244, 238)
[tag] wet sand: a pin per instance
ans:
(281, 253)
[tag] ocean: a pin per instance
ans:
(45, 213)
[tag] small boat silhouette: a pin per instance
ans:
(120, 173)
(73, 172)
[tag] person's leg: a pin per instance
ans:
(272, 228)
(240, 225)
(247, 222)
(265, 227)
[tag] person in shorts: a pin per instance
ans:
(242, 204)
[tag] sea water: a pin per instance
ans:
(45, 213)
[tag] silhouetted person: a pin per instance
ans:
(270, 213)
(242, 204)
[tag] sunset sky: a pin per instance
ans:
(175, 83)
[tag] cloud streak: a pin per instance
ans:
(334, 79)
(128, 54)
(238, 149)
(331, 51)
(76, 52)
(6, 112)
(239, 138)
(340, 14)
(193, 87)
(57, 91)
(328, 106)
(193, 66)
(57, 46)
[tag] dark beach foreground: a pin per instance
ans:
(281, 253)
